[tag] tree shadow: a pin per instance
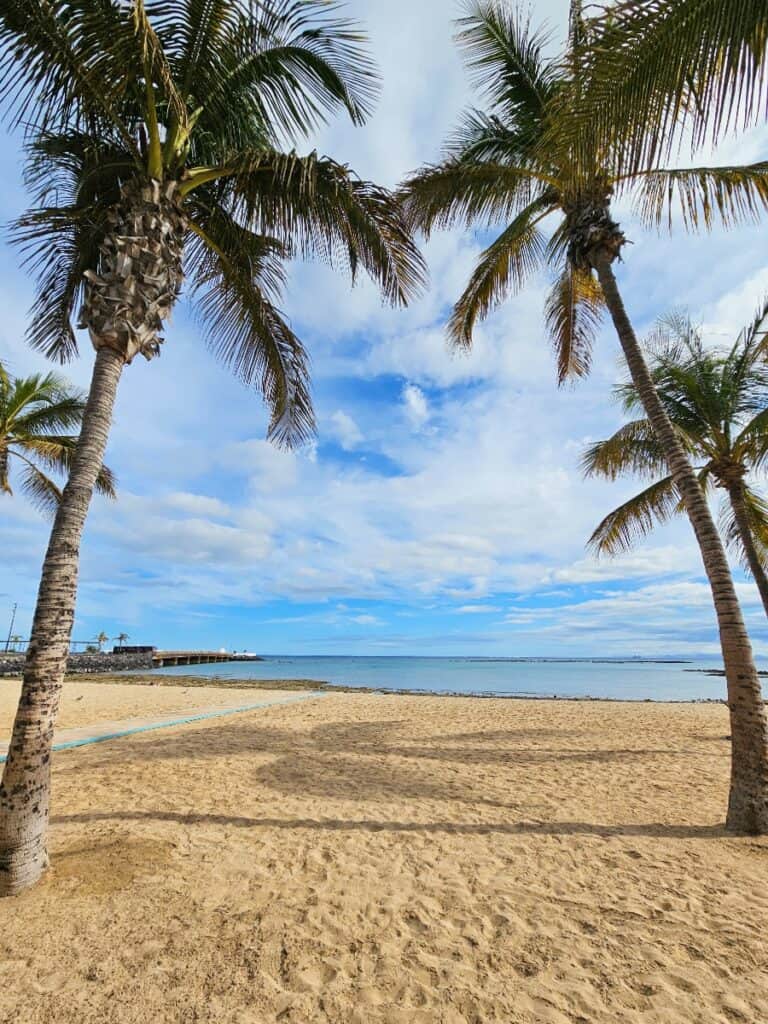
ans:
(372, 761)
(657, 830)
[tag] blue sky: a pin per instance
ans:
(441, 510)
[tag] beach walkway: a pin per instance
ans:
(66, 739)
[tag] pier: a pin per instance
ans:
(162, 659)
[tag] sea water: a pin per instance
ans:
(633, 679)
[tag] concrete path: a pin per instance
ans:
(65, 739)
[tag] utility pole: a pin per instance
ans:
(10, 630)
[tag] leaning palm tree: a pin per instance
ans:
(34, 414)
(159, 134)
(718, 404)
(516, 163)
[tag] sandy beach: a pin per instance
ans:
(358, 859)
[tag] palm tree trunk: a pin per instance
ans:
(25, 786)
(748, 800)
(125, 305)
(741, 515)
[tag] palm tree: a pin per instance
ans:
(121, 638)
(718, 404)
(33, 413)
(516, 163)
(101, 639)
(152, 138)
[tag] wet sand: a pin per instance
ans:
(358, 859)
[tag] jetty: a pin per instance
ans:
(161, 659)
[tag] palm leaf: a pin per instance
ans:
(633, 448)
(704, 195)
(458, 192)
(506, 62)
(40, 490)
(658, 68)
(234, 273)
(751, 444)
(501, 270)
(485, 138)
(284, 65)
(62, 63)
(757, 513)
(572, 314)
(56, 454)
(320, 210)
(58, 269)
(636, 518)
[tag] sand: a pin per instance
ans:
(88, 703)
(359, 859)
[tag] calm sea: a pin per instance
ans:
(627, 680)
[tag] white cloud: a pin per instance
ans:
(366, 620)
(477, 609)
(344, 429)
(415, 406)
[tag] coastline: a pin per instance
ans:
(226, 682)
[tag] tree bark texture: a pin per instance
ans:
(748, 800)
(25, 786)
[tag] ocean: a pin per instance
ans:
(633, 679)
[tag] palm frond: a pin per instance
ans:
(62, 63)
(751, 443)
(40, 490)
(506, 61)
(633, 448)
(61, 412)
(59, 244)
(635, 519)
(75, 178)
(501, 270)
(233, 274)
(572, 314)
(462, 193)
(320, 210)
(285, 65)
(705, 196)
(754, 336)
(56, 454)
(757, 514)
(658, 69)
(485, 138)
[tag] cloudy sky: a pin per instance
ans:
(441, 510)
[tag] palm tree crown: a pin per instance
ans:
(515, 163)
(36, 415)
(718, 403)
(175, 112)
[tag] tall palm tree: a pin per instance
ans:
(34, 412)
(159, 133)
(718, 404)
(516, 163)
(101, 639)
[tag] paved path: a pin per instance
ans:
(68, 738)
